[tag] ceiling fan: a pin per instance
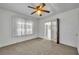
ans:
(39, 9)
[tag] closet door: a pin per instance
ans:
(54, 31)
(48, 30)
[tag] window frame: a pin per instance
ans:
(14, 27)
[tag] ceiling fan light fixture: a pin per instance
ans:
(39, 9)
(39, 12)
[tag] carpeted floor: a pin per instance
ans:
(38, 47)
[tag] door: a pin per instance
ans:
(52, 30)
(56, 30)
(48, 30)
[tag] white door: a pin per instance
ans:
(48, 30)
(54, 31)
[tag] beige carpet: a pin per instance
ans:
(38, 47)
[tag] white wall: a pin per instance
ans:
(78, 44)
(78, 41)
(69, 22)
(5, 28)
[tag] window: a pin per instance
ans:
(29, 27)
(24, 27)
(20, 28)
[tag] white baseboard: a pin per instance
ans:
(78, 50)
(14, 41)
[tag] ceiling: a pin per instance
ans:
(54, 8)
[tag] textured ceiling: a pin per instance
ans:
(54, 8)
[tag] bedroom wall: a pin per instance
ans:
(78, 41)
(5, 28)
(69, 22)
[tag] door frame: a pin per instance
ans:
(58, 31)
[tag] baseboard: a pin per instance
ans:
(5, 45)
(68, 45)
(78, 50)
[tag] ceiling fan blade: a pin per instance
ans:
(46, 11)
(37, 7)
(33, 12)
(31, 7)
(43, 4)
